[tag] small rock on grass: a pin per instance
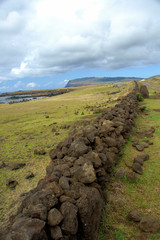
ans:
(120, 172)
(17, 165)
(132, 177)
(11, 183)
(136, 167)
(141, 157)
(39, 152)
(144, 144)
(29, 175)
(2, 165)
(149, 224)
(134, 216)
(139, 147)
(128, 164)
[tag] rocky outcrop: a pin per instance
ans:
(67, 203)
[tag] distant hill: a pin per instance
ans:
(97, 80)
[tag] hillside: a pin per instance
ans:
(97, 80)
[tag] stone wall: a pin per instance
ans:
(67, 203)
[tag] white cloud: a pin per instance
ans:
(47, 37)
(31, 85)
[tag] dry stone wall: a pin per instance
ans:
(67, 203)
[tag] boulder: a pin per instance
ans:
(26, 229)
(128, 164)
(132, 177)
(94, 158)
(144, 91)
(139, 147)
(70, 221)
(54, 217)
(144, 144)
(121, 172)
(149, 224)
(89, 208)
(45, 197)
(56, 232)
(141, 158)
(78, 147)
(55, 187)
(137, 168)
(111, 142)
(64, 183)
(134, 216)
(85, 173)
(37, 211)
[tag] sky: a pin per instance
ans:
(45, 43)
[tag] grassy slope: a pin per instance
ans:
(143, 195)
(24, 127)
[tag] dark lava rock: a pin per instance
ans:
(70, 221)
(128, 164)
(29, 175)
(134, 216)
(29, 228)
(11, 183)
(141, 157)
(2, 165)
(111, 142)
(78, 147)
(57, 133)
(144, 91)
(85, 173)
(39, 152)
(54, 217)
(89, 208)
(54, 130)
(45, 197)
(142, 109)
(149, 224)
(120, 172)
(56, 232)
(152, 129)
(132, 177)
(139, 147)
(144, 144)
(55, 188)
(36, 211)
(17, 165)
(137, 168)
(64, 183)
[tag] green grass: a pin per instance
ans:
(24, 127)
(142, 195)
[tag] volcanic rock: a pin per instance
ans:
(149, 224)
(54, 217)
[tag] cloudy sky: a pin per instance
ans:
(44, 43)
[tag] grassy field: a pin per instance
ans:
(142, 195)
(41, 124)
